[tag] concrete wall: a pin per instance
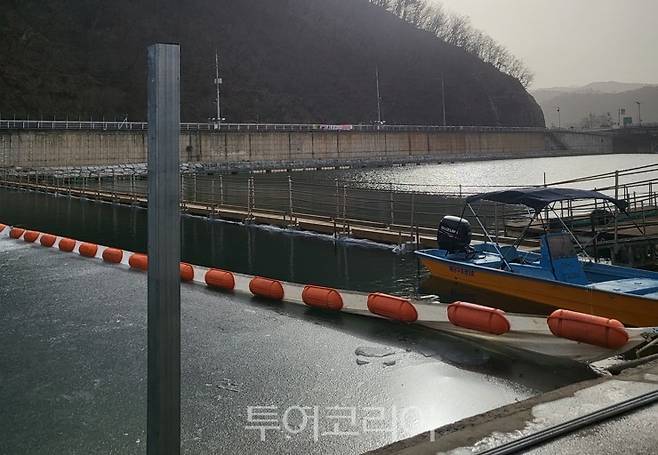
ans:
(585, 142)
(30, 148)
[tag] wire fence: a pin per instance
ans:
(260, 127)
(385, 205)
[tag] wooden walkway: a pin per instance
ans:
(396, 234)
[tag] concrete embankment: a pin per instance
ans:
(254, 149)
(636, 432)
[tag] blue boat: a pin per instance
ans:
(556, 276)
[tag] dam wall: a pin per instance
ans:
(262, 149)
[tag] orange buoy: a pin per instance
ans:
(587, 328)
(478, 317)
(392, 307)
(186, 272)
(2, 227)
(88, 250)
(139, 261)
(112, 255)
(16, 233)
(47, 240)
(67, 245)
(31, 236)
(265, 287)
(220, 279)
(325, 298)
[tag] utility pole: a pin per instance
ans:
(218, 83)
(639, 113)
(559, 123)
(443, 98)
(379, 99)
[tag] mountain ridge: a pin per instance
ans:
(282, 61)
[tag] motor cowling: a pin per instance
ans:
(454, 234)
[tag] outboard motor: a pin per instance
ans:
(454, 234)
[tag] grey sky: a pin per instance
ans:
(573, 42)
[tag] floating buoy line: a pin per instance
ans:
(564, 333)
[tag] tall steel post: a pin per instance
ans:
(163, 401)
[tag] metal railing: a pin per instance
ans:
(248, 127)
(397, 206)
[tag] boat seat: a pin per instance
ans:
(646, 287)
(559, 255)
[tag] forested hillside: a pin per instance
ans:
(281, 61)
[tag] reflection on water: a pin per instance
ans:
(270, 252)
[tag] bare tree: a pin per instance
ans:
(456, 29)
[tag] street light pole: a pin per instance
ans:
(443, 98)
(639, 113)
(379, 99)
(218, 83)
(559, 123)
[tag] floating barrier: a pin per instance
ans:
(186, 272)
(47, 240)
(67, 245)
(112, 255)
(16, 233)
(265, 287)
(139, 261)
(220, 279)
(31, 236)
(392, 307)
(323, 298)
(478, 317)
(88, 250)
(565, 334)
(587, 328)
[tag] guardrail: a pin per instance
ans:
(255, 127)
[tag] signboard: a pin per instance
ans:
(628, 121)
(336, 127)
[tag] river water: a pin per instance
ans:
(290, 255)
(276, 253)
(478, 176)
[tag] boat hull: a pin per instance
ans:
(629, 309)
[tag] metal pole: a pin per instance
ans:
(616, 197)
(443, 98)
(379, 99)
(218, 83)
(290, 207)
(392, 207)
(163, 401)
(221, 190)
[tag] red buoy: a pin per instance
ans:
(324, 298)
(186, 272)
(47, 240)
(31, 236)
(2, 227)
(112, 255)
(16, 233)
(478, 317)
(587, 328)
(220, 279)
(265, 287)
(88, 250)
(392, 307)
(139, 261)
(67, 245)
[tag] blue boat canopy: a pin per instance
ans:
(540, 198)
